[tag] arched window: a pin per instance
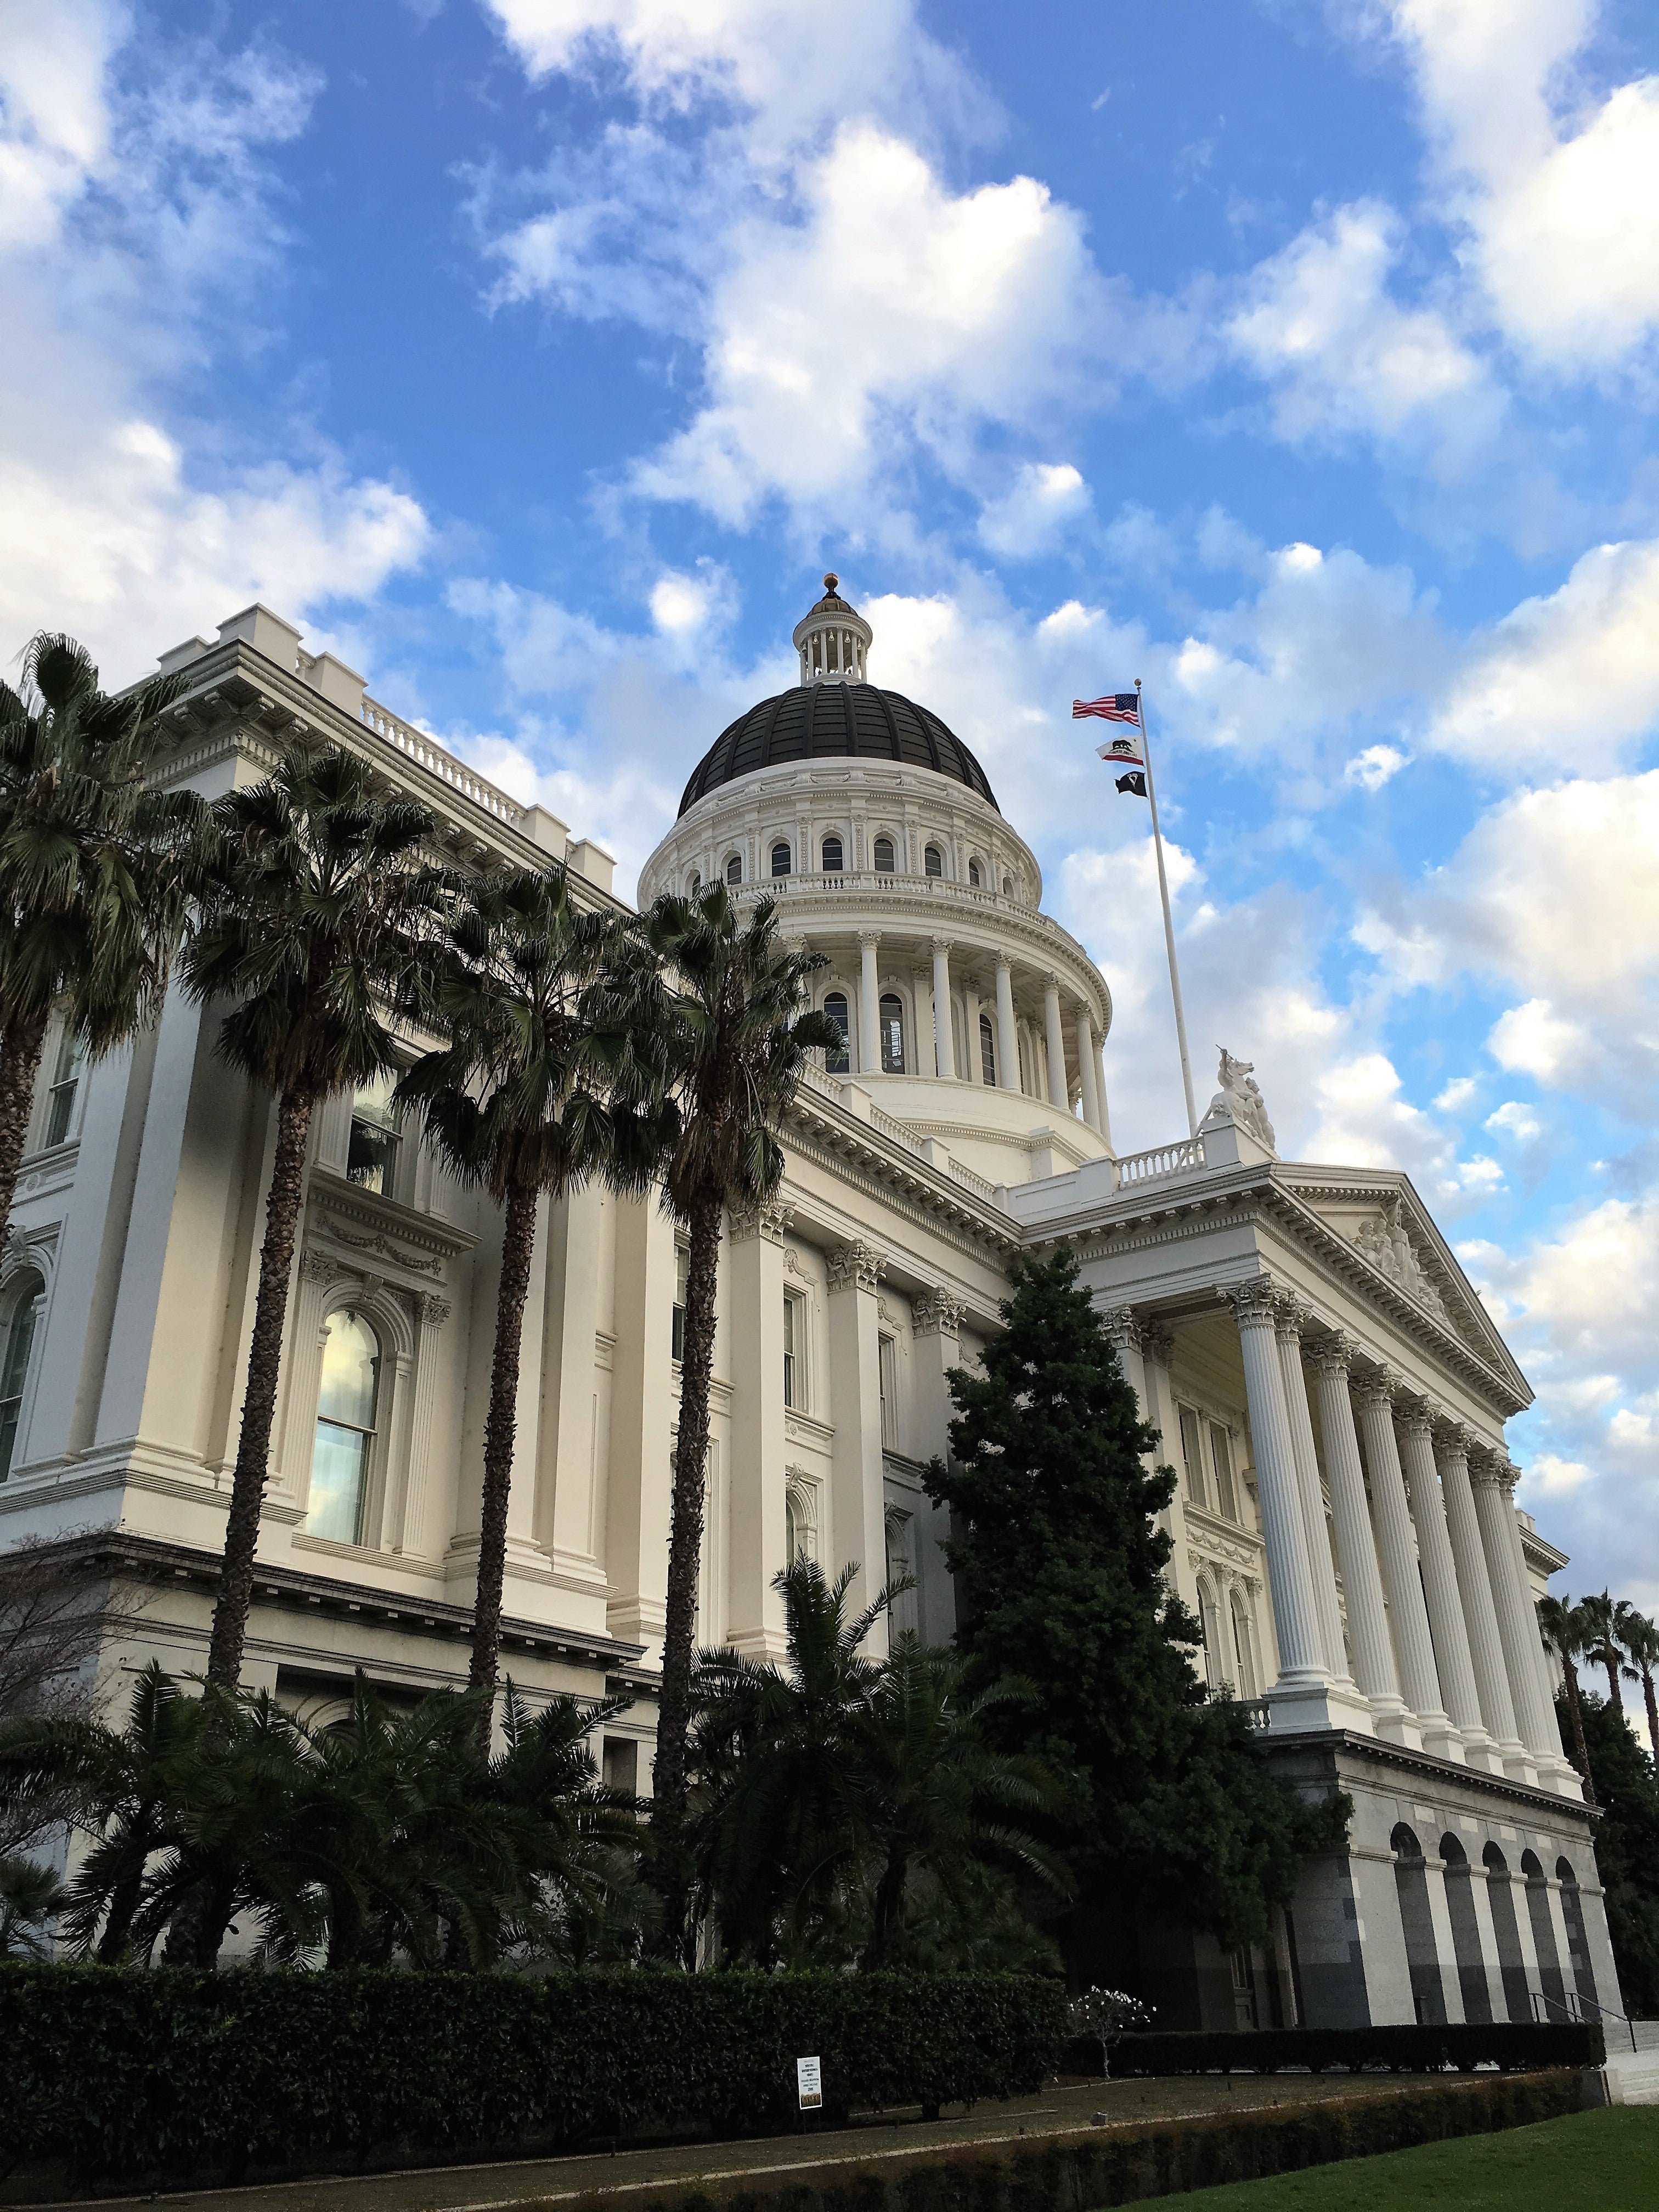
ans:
(27, 1296)
(1243, 1645)
(345, 1427)
(1209, 1619)
(836, 1007)
(734, 868)
(881, 851)
(976, 875)
(1466, 1930)
(1411, 1881)
(987, 1050)
(1573, 1911)
(892, 1035)
(1506, 1928)
(779, 859)
(796, 1535)
(1543, 1935)
(932, 862)
(1007, 887)
(833, 862)
(695, 883)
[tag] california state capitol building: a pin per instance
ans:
(1329, 1389)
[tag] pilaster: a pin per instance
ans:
(858, 1498)
(758, 1506)
(935, 1348)
(640, 1488)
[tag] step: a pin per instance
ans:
(1633, 2077)
(1646, 2033)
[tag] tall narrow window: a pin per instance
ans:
(901, 1568)
(834, 1007)
(1209, 1620)
(372, 1156)
(882, 853)
(779, 859)
(976, 875)
(795, 1347)
(676, 1327)
(833, 863)
(734, 868)
(988, 1051)
(26, 1300)
(345, 1428)
(1243, 1646)
(695, 885)
(66, 1083)
(1221, 1459)
(932, 862)
(794, 1525)
(887, 1379)
(892, 1035)
(1192, 1458)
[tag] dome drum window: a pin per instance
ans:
(781, 858)
(932, 862)
(734, 869)
(882, 854)
(837, 1062)
(892, 1035)
(976, 875)
(833, 865)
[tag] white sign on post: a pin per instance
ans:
(810, 2080)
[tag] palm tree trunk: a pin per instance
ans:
(117, 1922)
(1653, 1713)
(887, 1910)
(518, 1246)
(264, 1361)
(671, 1873)
(1575, 1715)
(21, 1043)
(1609, 1659)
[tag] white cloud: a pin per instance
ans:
(1534, 1040)
(1343, 357)
(1456, 1093)
(1516, 1120)
(1555, 188)
(1047, 498)
(1373, 767)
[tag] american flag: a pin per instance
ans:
(1115, 707)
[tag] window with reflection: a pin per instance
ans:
(26, 1298)
(1192, 1460)
(1221, 1459)
(892, 1035)
(987, 1050)
(834, 863)
(882, 854)
(65, 1087)
(836, 1007)
(976, 875)
(371, 1155)
(695, 883)
(345, 1428)
(734, 869)
(677, 1323)
(779, 859)
(794, 1351)
(932, 862)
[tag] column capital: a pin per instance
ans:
(856, 1266)
(871, 937)
(1122, 1326)
(1413, 1416)
(1005, 963)
(321, 1268)
(1380, 1387)
(942, 943)
(1455, 1439)
(1157, 1342)
(1292, 1314)
(937, 1313)
(1331, 1352)
(434, 1310)
(769, 1219)
(1252, 1301)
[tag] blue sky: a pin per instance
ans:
(1299, 358)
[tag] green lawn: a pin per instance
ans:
(1606, 2162)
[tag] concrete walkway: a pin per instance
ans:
(630, 2178)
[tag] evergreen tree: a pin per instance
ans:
(1626, 1849)
(1061, 1581)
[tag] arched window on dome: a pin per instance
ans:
(345, 1427)
(834, 1007)
(734, 868)
(976, 875)
(833, 863)
(892, 1034)
(781, 857)
(988, 1051)
(1007, 887)
(932, 862)
(26, 1297)
(882, 854)
(695, 883)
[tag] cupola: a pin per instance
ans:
(832, 639)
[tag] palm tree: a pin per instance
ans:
(737, 1033)
(1604, 1620)
(1640, 1638)
(312, 914)
(91, 885)
(943, 1803)
(533, 1093)
(1564, 1632)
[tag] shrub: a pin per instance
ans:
(1514, 2047)
(130, 2075)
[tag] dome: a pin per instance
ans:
(832, 721)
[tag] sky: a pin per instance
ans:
(1299, 357)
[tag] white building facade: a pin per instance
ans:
(1330, 1390)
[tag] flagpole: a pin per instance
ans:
(1168, 926)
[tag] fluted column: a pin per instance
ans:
(1447, 1626)
(869, 1003)
(1474, 1584)
(1100, 1091)
(1288, 1321)
(1414, 1646)
(943, 1046)
(1355, 1545)
(1054, 1036)
(1493, 1482)
(1007, 1034)
(1085, 1062)
(973, 1064)
(1301, 1696)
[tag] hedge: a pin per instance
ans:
(1513, 2046)
(128, 2075)
(1076, 2172)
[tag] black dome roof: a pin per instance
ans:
(829, 721)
